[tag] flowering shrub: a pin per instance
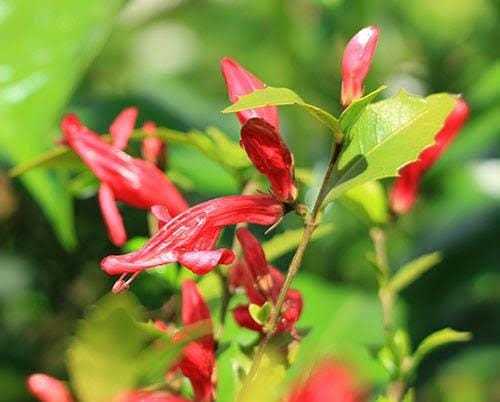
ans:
(117, 355)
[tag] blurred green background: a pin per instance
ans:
(95, 57)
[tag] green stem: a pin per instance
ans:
(311, 222)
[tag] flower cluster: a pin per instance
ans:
(188, 235)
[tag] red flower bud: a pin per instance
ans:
(241, 82)
(132, 181)
(405, 190)
(123, 126)
(329, 381)
(48, 389)
(271, 157)
(190, 238)
(356, 62)
(262, 283)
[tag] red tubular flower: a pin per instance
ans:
(241, 82)
(153, 148)
(198, 361)
(48, 389)
(190, 237)
(406, 187)
(133, 181)
(356, 62)
(260, 133)
(262, 283)
(149, 396)
(329, 381)
(271, 157)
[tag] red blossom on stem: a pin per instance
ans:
(260, 133)
(329, 381)
(356, 63)
(133, 181)
(48, 389)
(406, 187)
(190, 238)
(262, 283)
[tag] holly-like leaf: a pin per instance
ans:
(438, 339)
(352, 113)
(287, 241)
(59, 40)
(407, 274)
(388, 135)
(271, 96)
(370, 200)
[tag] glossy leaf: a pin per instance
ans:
(352, 113)
(271, 96)
(59, 39)
(388, 135)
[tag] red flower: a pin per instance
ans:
(123, 178)
(260, 135)
(48, 389)
(406, 187)
(262, 283)
(198, 361)
(241, 82)
(190, 238)
(329, 381)
(356, 62)
(271, 157)
(153, 148)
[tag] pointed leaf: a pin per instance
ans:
(388, 135)
(271, 96)
(437, 339)
(352, 113)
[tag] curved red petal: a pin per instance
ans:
(111, 215)
(122, 127)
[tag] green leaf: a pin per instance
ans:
(370, 200)
(352, 113)
(102, 359)
(59, 40)
(84, 185)
(113, 349)
(438, 339)
(410, 272)
(388, 135)
(260, 314)
(271, 96)
(305, 176)
(287, 241)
